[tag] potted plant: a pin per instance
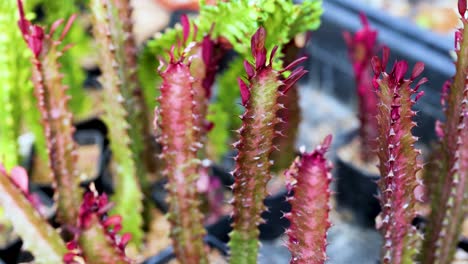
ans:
(96, 229)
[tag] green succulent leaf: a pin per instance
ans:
(38, 236)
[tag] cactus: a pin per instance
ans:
(97, 240)
(126, 138)
(202, 58)
(309, 179)
(361, 48)
(400, 189)
(449, 186)
(74, 75)
(41, 239)
(127, 56)
(56, 119)
(176, 124)
(260, 99)
(12, 77)
(291, 115)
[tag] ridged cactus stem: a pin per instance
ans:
(362, 47)
(309, 179)
(450, 199)
(202, 57)
(400, 189)
(176, 124)
(125, 141)
(56, 118)
(252, 173)
(128, 60)
(41, 239)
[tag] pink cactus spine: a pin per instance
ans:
(177, 125)
(362, 47)
(260, 99)
(97, 239)
(449, 197)
(309, 179)
(56, 118)
(400, 189)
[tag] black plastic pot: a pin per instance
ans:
(168, 254)
(356, 192)
(356, 189)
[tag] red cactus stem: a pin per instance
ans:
(202, 57)
(260, 98)
(97, 239)
(309, 179)
(361, 48)
(56, 118)
(176, 120)
(399, 161)
(449, 199)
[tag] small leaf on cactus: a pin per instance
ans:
(260, 98)
(97, 239)
(309, 179)
(400, 188)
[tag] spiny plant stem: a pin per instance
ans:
(252, 172)
(56, 119)
(176, 123)
(400, 189)
(125, 139)
(309, 179)
(361, 49)
(449, 199)
(38, 236)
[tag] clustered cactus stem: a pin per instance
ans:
(126, 138)
(309, 180)
(176, 122)
(38, 236)
(123, 32)
(361, 48)
(56, 118)
(260, 98)
(449, 197)
(400, 188)
(202, 57)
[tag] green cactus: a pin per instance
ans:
(126, 139)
